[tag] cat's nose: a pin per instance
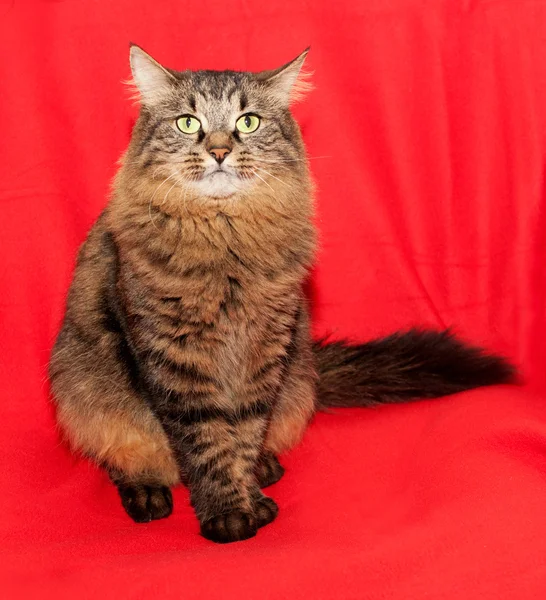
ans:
(219, 154)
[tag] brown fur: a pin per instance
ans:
(204, 297)
(185, 352)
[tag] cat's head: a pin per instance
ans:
(216, 133)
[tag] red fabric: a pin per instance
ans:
(427, 137)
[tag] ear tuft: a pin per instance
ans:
(289, 82)
(302, 86)
(150, 82)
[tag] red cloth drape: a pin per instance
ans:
(426, 132)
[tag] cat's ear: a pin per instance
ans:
(289, 82)
(151, 80)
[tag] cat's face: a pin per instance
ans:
(216, 133)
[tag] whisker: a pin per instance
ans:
(177, 181)
(190, 179)
(152, 199)
(290, 160)
(259, 177)
(156, 170)
(270, 162)
(150, 215)
(271, 175)
(161, 184)
(186, 188)
(276, 198)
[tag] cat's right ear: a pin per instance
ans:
(151, 80)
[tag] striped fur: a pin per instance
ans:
(185, 352)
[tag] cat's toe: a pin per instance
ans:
(234, 526)
(266, 511)
(269, 470)
(144, 503)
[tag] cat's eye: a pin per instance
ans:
(188, 124)
(248, 123)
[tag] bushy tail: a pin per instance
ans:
(404, 366)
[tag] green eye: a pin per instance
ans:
(188, 124)
(248, 123)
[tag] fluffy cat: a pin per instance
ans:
(185, 353)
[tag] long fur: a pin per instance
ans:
(185, 353)
(403, 366)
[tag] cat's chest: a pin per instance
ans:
(232, 298)
(229, 317)
(209, 287)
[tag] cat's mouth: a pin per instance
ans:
(220, 182)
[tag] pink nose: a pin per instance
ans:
(219, 153)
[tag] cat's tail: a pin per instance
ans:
(404, 366)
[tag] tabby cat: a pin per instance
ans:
(185, 353)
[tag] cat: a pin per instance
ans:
(185, 354)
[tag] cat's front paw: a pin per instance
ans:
(268, 470)
(144, 503)
(266, 511)
(234, 526)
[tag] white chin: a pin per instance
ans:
(218, 185)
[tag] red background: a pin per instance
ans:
(427, 137)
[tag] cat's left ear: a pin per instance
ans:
(289, 82)
(152, 81)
